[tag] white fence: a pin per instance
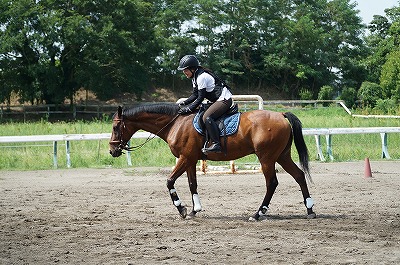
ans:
(66, 138)
(383, 131)
(317, 133)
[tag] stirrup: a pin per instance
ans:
(214, 148)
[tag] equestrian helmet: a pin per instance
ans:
(188, 61)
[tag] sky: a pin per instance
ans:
(369, 8)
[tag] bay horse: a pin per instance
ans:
(267, 134)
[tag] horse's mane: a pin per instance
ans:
(161, 108)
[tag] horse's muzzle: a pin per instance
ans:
(116, 152)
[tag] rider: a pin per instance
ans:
(206, 85)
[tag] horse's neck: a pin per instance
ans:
(155, 124)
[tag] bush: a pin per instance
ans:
(386, 106)
(369, 94)
(305, 94)
(349, 96)
(326, 93)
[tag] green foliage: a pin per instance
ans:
(349, 95)
(306, 94)
(390, 75)
(387, 106)
(384, 39)
(55, 47)
(369, 93)
(50, 49)
(326, 93)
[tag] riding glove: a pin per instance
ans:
(184, 110)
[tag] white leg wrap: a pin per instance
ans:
(196, 202)
(177, 203)
(309, 203)
(264, 211)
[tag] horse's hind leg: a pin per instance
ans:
(271, 182)
(291, 168)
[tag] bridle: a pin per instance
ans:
(123, 145)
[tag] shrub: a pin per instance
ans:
(349, 95)
(386, 106)
(369, 94)
(305, 94)
(326, 93)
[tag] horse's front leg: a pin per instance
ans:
(192, 179)
(175, 174)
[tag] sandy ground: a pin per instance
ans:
(125, 216)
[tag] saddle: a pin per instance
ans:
(228, 123)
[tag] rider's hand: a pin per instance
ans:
(184, 110)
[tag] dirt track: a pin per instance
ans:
(112, 216)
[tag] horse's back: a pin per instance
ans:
(264, 119)
(265, 126)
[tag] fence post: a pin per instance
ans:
(68, 154)
(74, 111)
(320, 154)
(385, 152)
(328, 138)
(55, 164)
(128, 155)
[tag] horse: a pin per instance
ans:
(267, 134)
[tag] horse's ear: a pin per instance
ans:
(119, 111)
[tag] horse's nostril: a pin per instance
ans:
(115, 153)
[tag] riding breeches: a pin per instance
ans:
(217, 109)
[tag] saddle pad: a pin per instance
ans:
(231, 124)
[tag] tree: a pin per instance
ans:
(390, 76)
(382, 40)
(60, 46)
(112, 47)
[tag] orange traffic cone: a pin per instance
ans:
(367, 169)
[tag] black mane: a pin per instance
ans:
(161, 108)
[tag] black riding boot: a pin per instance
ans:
(213, 132)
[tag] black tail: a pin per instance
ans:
(301, 147)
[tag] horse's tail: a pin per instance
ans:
(297, 130)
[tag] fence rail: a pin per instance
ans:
(90, 111)
(317, 133)
(328, 132)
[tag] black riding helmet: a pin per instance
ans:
(188, 61)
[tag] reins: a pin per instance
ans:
(149, 138)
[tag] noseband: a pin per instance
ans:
(121, 144)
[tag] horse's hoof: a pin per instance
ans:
(252, 219)
(182, 211)
(311, 216)
(191, 215)
(262, 218)
(257, 217)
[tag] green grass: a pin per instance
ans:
(36, 156)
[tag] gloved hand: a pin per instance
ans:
(181, 105)
(184, 110)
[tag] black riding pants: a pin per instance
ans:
(217, 109)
